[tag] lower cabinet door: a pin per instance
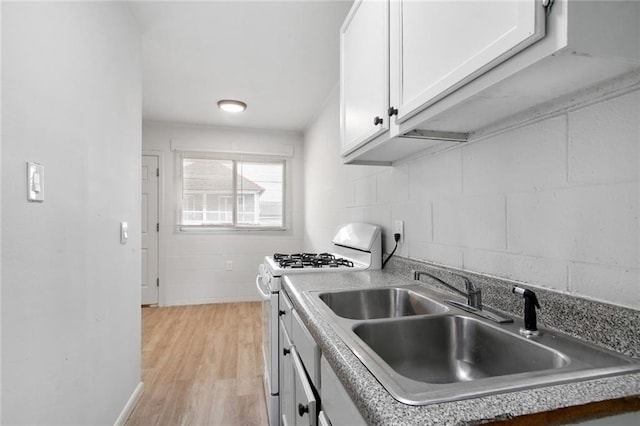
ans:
(323, 420)
(305, 400)
(307, 348)
(336, 402)
(287, 383)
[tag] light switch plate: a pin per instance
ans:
(124, 232)
(35, 182)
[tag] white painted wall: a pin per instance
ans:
(192, 265)
(71, 100)
(552, 204)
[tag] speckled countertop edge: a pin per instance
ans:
(378, 407)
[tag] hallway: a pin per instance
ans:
(201, 366)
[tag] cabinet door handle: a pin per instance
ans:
(392, 111)
(302, 409)
(286, 351)
(377, 120)
(281, 313)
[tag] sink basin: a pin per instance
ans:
(454, 349)
(380, 303)
(424, 352)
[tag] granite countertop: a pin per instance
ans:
(378, 407)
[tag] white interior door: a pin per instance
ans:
(150, 277)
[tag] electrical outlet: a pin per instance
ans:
(229, 265)
(399, 229)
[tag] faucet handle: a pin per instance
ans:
(469, 285)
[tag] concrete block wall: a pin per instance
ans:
(552, 204)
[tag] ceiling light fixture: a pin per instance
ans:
(230, 105)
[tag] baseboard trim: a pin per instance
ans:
(130, 405)
(211, 300)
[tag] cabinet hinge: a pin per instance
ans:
(158, 172)
(157, 227)
(157, 282)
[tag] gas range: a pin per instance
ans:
(301, 263)
(356, 246)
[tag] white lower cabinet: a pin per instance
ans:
(307, 348)
(323, 420)
(287, 381)
(285, 310)
(299, 371)
(310, 392)
(305, 402)
(337, 406)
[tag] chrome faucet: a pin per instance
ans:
(472, 292)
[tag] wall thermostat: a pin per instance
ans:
(35, 182)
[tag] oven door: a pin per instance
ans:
(269, 330)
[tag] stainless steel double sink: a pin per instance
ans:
(423, 351)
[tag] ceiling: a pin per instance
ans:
(280, 57)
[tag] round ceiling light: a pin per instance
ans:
(230, 105)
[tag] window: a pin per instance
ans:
(231, 193)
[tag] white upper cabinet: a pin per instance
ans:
(364, 73)
(442, 45)
(457, 70)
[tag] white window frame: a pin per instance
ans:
(235, 158)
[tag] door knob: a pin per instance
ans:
(377, 120)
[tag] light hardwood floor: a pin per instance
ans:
(202, 365)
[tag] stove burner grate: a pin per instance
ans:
(310, 260)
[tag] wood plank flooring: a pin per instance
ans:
(202, 365)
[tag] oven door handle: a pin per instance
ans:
(265, 296)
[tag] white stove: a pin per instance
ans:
(356, 247)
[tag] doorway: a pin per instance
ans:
(150, 227)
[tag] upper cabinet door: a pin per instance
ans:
(442, 45)
(364, 73)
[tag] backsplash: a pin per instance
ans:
(610, 326)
